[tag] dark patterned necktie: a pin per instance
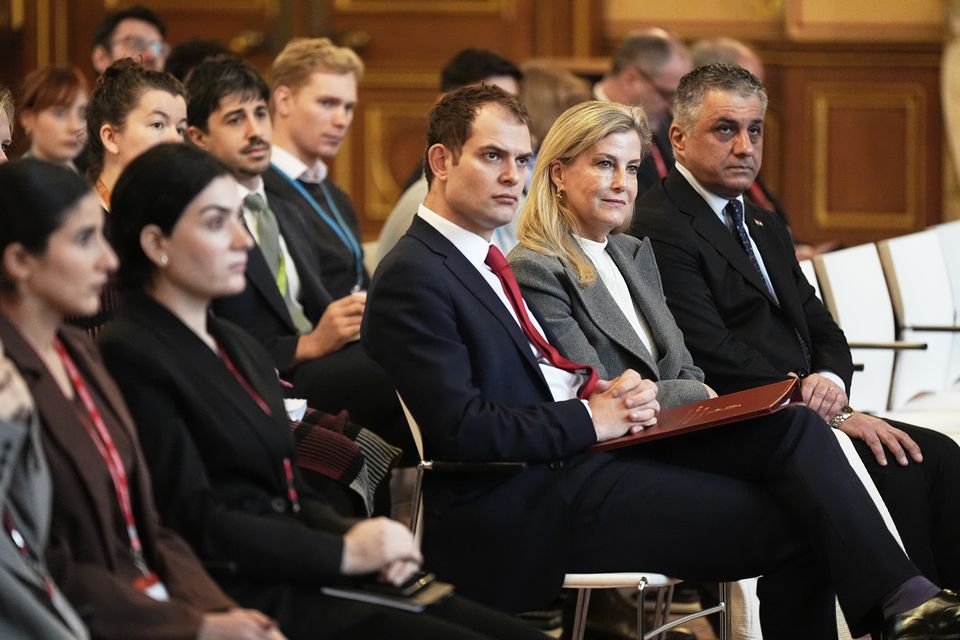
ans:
(734, 211)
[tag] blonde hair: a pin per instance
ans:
(304, 56)
(547, 92)
(547, 225)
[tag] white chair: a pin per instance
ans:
(949, 235)
(922, 298)
(810, 273)
(855, 291)
(584, 583)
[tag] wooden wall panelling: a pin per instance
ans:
(861, 152)
(406, 44)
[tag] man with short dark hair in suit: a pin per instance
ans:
(286, 305)
(460, 347)
(749, 317)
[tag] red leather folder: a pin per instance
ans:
(706, 414)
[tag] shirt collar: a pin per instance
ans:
(716, 203)
(259, 190)
(592, 248)
(473, 247)
(296, 169)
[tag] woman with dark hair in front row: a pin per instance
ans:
(210, 412)
(125, 574)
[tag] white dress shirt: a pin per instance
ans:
(293, 277)
(296, 169)
(563, 384)
(613, 280)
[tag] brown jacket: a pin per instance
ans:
(87, 553)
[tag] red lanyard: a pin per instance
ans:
(287, 466)
(108, 452)
(32, 559)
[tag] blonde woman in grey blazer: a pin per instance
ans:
(598, 290)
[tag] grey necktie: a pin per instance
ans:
(268, 233)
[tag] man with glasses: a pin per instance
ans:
(135, 32)
(645, 72)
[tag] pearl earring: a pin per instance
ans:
(164, 260)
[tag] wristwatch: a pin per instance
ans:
(841, 417)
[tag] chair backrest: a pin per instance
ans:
(810, 273)
(922, 296)
(855, 291)
(949, 235)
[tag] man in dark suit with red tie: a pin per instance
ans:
(443, 323)
(749, 316)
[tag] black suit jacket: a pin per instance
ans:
(737, 333)
(260, 308)
(337, 264)
(215, 455)
(467, 372)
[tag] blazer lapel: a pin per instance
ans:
(186, 347)
(473, 282)
(779, 269)
(261, 279)
(710, 228)
(60, 421)
(642, 295)
(313, 295)
(599, 304)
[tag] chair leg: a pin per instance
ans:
(725, 612)
(580, 614)
(641, 590)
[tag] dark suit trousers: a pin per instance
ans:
(773, 497)
(930, 527)
(304, 613)
(349, 379)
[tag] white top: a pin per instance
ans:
(563, 384)
(294, 167)
(613, 280)
(293, 277)
(717, 204)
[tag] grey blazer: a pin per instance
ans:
(590, 328)
(26, 492)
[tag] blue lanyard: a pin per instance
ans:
(339, 227)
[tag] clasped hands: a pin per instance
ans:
(626, 404)
(827, 399)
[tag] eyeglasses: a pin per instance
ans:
(137, 44)
(663, 92)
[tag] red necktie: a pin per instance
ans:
(501, 268)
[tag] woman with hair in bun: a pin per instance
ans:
(131, 109)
